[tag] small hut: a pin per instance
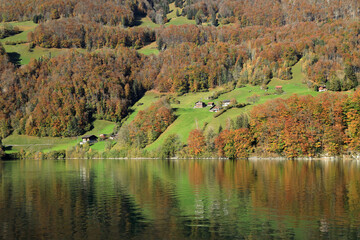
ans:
(200, 104)
(225, 103)
(215, 109)
(89, 139)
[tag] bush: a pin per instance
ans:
(14, 42)
(220, 112)
(171, 146)
(241, 105)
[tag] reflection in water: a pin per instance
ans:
(199, 199)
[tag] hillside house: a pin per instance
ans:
(278, 88)
(322, 89)
(113, 136)
(210, 104)
(225, 103)
(89, 139)
(216, 109)
(200, 104)
(103, 136)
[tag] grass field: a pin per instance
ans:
(149, 49)
(171, 16)
(15, 143)
(174, 20)
(20, 53)
(25, 27)
(146, 22)
(189, 118)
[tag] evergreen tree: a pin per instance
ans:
(178, 3)
(171, 146)
(242, 121)
(334, 83)
(73, 128)
(160, 43)
(2, 153)
(214, 20)
(350, 76)
(210, 140)
(190, 14)
(198, 18)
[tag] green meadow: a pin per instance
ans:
(189, 118)
(171, 16)
(14, 143)
(20, 53)
(25, 27)
(149, 49)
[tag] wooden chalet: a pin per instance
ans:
(103, 136)
(210, 104)
(89, 139)
(322, 89)
(225, 103)
(200, 104)
(278, 88)
(113, 136)
(216, 109)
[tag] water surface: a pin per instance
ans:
(184, 199)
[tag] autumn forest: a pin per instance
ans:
(232, 44)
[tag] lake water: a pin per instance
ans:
(183, 199)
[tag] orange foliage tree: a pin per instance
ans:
(352, 119)
(235, 143)
(150, 123)
(196, 142)
(300, 126)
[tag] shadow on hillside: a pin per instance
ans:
(14, 58)
(137, 21)
(8, 148)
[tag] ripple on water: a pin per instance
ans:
(101, 199)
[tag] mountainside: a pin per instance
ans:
(83, 61)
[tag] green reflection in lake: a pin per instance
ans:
(185, 199)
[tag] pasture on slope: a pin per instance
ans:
(20, 53)
(189, 118)
(14, 142)
(171, 16)
(149, 49)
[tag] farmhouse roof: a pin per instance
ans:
(89, 136)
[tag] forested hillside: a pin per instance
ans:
(248, 13)
(62, 96)
(232, 44)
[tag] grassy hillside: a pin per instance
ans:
(25, 27)
(174, 20)
(171, 16)
(149, 49)
(20, 53)
(189, 118)
(15, 143)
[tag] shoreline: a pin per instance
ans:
(251, 158)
